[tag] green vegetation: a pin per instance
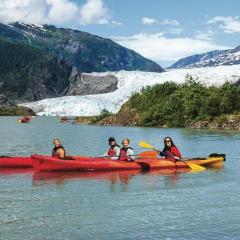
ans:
(104, 113)
(177, 105)
(16, 111)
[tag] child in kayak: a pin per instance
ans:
(114, 150)
(126, 152)
(58, 150)
(170, 151)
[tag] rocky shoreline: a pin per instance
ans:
(228, 122)
(9, 108)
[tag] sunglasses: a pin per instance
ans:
(167, 141)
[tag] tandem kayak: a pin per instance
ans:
(46, 163)
(15, 162)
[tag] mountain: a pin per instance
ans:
(86, 52)
(210, 59)
(29, 74)
(229, 57)
(194, 59)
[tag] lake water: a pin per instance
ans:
(117, 205)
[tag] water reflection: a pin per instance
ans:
(115, 178)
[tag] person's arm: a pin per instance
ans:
(130, 153)
(176, 153)
(104, 155)
(61, 153)
(117, 153)
(162, 154)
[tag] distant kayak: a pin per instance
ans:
(15, 162)
(46, 163)
(25, 119)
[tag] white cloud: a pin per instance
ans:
(55, 12)
(228, 24)
(149, 21)
(160, 48)
(172, 22)
(61, 11)
(22, 10)
(174, 30)
(93, 11)
(206, 35)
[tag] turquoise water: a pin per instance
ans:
(117, 205)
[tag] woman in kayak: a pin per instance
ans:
(170, 151)
(114, 150)
(126, 152)
(58, 150)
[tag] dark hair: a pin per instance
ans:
(111, 139)
(172, 144)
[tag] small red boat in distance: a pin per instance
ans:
(25, 119)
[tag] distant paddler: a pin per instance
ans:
(126, 152)
(114, 149)
(58, 150)
(170, 151)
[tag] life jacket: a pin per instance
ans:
(55, 149)
(171, 153)
(123, 154)
(111, 151)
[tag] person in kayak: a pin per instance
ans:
(58, 150)
(170, 151)
(114, 150)
(126, 152)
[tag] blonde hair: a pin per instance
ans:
(126, 139)
(56, 139)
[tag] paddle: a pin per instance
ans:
(193, 166)
(148, 154)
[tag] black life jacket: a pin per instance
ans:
(55, 149)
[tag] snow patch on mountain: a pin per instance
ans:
(210, 59)
(128, 83)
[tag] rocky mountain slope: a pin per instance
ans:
(86, 52)
(29, 74)
(187, 61)
(210, 59)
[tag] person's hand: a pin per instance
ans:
(158, 151)
(177, 158)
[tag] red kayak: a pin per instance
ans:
(46, 163)
(15, 162)
(25, 119)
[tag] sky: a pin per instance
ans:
(161, 30)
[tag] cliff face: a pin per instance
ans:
(86, 84)
(28, 74)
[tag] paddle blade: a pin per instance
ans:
(195, 167)
(148, 154)
(145, 145)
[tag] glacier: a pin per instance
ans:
(129, 82)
